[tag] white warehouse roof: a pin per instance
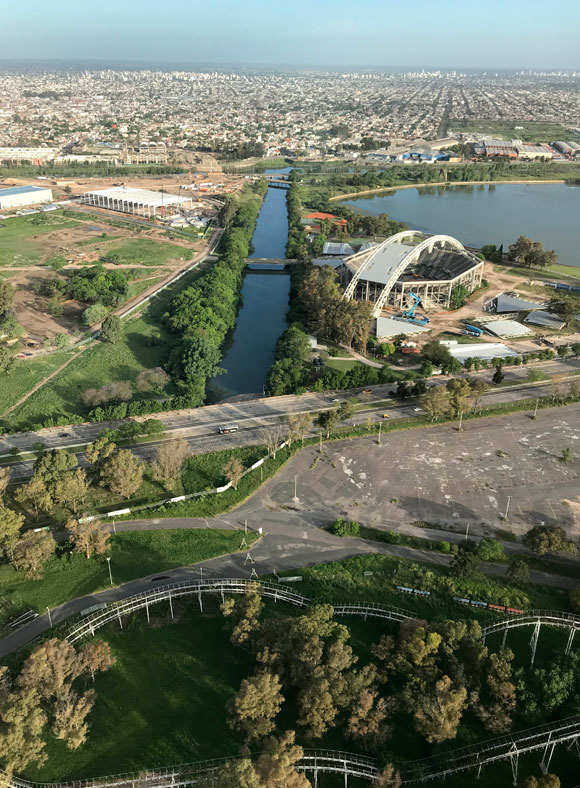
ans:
(390, 327)
(138, 196)
(508, 329)
(486, 350)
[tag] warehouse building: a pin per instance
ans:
(411, 262)
(23, 196)
(142, 202)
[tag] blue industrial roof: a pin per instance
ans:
(21, 190)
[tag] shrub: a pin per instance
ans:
(345, 527)
(490, 549)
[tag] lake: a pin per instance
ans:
(489, 213)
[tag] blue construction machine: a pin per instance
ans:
(409, 315)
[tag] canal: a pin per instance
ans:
(479, 214)
(249, 350)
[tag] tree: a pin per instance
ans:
(122, 473)
(98, 451)
(436, 402)
(233, 471)
(465, 563)
(95, 657)
(566, 455)
(272, 438)
(53, 464)
(542, 539)
(490, 549)
(518, 571)
(388, 777)
(31, 552)
(253, 708)
(94, 314)
(4, 481)
(328, 419)
(23, 721)
(61, 340)
(7, 358)
(277, 765)
(316, 708)
(152, 380)
(367, 721)
(112, 329)
(10, 525)
(545, 781)
(239, 773)
(70, 712)
(244, 616)
(439, 711)
(478, 389)
(299, 425)
(35, 494)
(72, 489)
(88, 537)
(459, 394)
(498, 375)
(51, 666)
(557, 387)
(499, 695)
(169, 460)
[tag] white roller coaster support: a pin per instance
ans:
(473, 758)
(534, 641)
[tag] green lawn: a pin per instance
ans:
(560, 271)
(337, 363)
(145, 251)
(17, 243)
(26, 374)
(133, 555)
(162, 703)
(102, 363)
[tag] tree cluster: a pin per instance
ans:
(531, 253)
(48, 694)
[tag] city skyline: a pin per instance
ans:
(518, 35)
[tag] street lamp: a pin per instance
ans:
(49, 617)
(109, 565)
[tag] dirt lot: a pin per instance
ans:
(444, 477)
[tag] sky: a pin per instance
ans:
(495, 34)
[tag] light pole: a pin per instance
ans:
(110, 573)
(507, 508)
(49, 616)
(296, 499)
(380, 425)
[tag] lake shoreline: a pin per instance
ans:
(352, 195)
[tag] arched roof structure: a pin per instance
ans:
(393, 266)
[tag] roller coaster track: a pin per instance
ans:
(474, 758)
(508, 747)
(197, 588)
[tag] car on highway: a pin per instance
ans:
(386, 415)
(227, 428)
(367, 391)
(64, 434)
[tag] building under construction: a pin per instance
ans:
(137, 201)
(411, 262)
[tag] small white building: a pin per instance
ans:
(20, 196)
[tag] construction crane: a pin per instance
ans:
(410, 313)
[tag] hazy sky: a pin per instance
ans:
(443, 33)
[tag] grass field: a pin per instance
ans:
(528, 131)
(26, 374)
(133, 555)
(144, 251)
(190, 670)
(103, 363)
(18, 245)
(567, 272)
(338, 363)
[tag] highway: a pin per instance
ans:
(200, 426)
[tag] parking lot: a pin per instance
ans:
(444, 477)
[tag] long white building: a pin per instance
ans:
(136, 201)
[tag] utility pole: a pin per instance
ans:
(380, 425)
(507, 507)
(536, 409)
(320, 444)
(460, 421)
(110, 573)
(49, 616)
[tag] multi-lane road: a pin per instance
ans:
(200, 426)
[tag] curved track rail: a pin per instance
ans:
(508, 747)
